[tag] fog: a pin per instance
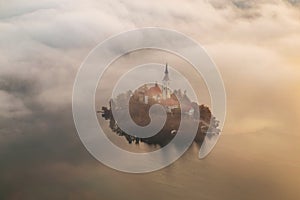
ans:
(255, 45)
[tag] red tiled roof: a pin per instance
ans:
(170, 102)
(153, 91)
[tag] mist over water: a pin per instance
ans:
(257, 156)
(256, 46)
(263, 164)
(245, 166)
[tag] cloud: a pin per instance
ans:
(11, 107)
(44, 42)
(255, 44)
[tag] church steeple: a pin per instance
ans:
(166, 77)
(166, 80)
(166, 70)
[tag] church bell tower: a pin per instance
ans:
(166, 82)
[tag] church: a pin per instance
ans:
(162, 94)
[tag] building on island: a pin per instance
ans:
(140, 101)
(162, 94)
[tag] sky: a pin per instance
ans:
(255, 45)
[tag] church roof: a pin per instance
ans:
(170, 102)
(153, 91)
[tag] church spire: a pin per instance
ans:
(166, 77)
(166, 70)
(166, 80)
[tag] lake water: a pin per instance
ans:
(243, 166)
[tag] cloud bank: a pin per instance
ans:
(255, 44)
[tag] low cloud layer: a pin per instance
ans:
(255, 44)
(44, 42)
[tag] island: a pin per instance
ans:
(175, 102)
